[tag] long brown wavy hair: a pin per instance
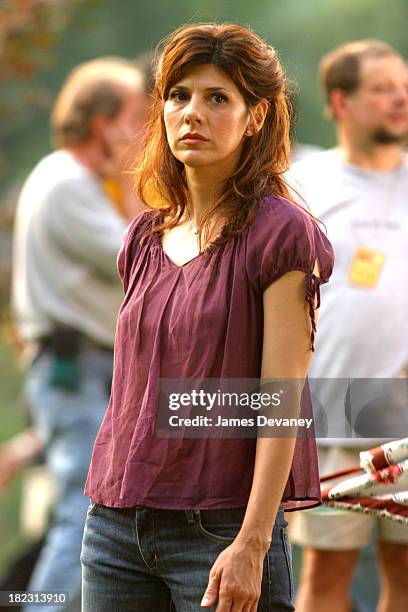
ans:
(255, 69)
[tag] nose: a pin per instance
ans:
(401, 95)
(193, 111)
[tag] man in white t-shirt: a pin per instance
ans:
(66, 291)
(360, 191)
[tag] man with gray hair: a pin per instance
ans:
(359, 190)
(66, 292)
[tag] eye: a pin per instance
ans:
(381, 88)
(178, 95)
(219, 98)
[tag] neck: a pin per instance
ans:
(369, 155)
(205, 185)
(87, 155)
(202, 193)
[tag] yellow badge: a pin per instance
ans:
(366, 267)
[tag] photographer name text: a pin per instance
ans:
(259, 421)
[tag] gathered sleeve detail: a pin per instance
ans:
(284, 238)
(313, 299)
(130, 242)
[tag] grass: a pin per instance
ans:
(12, 541)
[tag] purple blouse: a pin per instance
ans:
(200, 320)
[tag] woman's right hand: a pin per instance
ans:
(235, 578)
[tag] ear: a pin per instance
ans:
(258, 114)
(339, 105)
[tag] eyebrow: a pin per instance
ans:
(386, 79)
(209, 89)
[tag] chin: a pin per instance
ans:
(390, 136)
(195, 160)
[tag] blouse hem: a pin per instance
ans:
(290, 505)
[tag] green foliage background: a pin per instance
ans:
(11, 421)
(302, 30)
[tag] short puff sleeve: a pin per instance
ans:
(130, 242)
(282, 238)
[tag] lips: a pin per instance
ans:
(193, 136)
(399, 117)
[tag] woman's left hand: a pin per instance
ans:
(235, 579)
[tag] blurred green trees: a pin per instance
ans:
(41, 40)
(29, 32)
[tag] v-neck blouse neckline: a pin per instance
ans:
(158, 236)
(185, 264)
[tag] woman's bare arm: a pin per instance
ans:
(286, 355)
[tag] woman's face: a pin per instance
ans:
(206, 119)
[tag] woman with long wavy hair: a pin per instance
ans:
(221, 278)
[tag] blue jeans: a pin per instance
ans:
(68, 422)
(148, 560)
